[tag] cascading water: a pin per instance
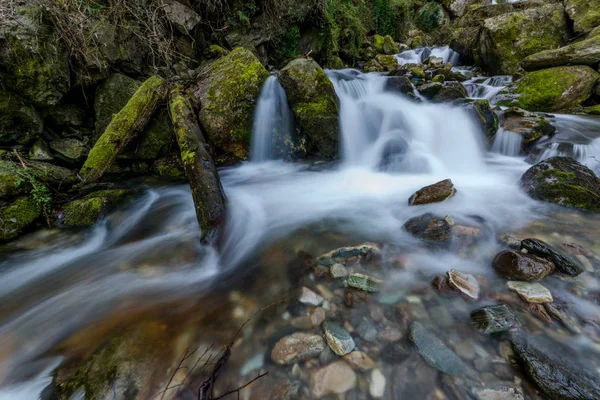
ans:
(417, 56)
(147, 254)
(273, 123)
(487, 89)
(507, 143)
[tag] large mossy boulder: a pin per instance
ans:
(111, 96)
(585, 52)
(585, 14)
(313, 101)
(14, 179)
(552, 89)
(507, 39)
(17, 217)
(33, 62)
(531, 126)
(227, 93)
(88, 210)
(564, 181)
(19, 122)
(382, 63)
(458, 8)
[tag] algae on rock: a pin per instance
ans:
(128, 123)
(584, 13)
(17, 217)
(585, 52)
(88, 210)
(207, 192)
(19, 122)
(226, 93)
(313, 101)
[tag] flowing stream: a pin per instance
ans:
(147, 254)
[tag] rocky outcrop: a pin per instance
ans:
(531, 126)
(207, 192)
(13, 177)
(482, 113)
(585, 14)
(226, 94)
(459, 7)
(381, 63)
(585, 52)
(19, 122)
(17, 217)
(313, 101)
(33, 62)
(507, 39)
(124, 126)
(552, 89)
(564, 181)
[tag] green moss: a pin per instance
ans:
(215, 51)
(378, 43)
(571, 195)
(439, 78)
(17, 217)
(417, 73)
(593, 110)
(584, 13)
(123, 127)
(19, 122)
(88, 210)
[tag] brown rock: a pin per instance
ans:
(521, 266)
(359, 361)
(465, 284)
(335, 378)
(296, 347)
(435, 193)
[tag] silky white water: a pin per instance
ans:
(417, 56)
(148, 253)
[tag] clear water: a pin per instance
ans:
(417, 56)
(145, 262)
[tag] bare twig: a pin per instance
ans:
(241, 387)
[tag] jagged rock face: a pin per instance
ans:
(33, 62)
(552, 89)
(584, 13)
(313, 101)
(586, 52)
(458, 8)
(507, 39)
(531, 126)
(226, 95)
(564, 181)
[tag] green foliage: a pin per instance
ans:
(385, 17)
(430, 16)
(40, 193)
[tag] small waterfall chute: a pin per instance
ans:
(417, 56)
(507, 143)
(273, 123)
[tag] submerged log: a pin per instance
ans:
(209, 198)
(124, 126)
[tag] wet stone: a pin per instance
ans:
(430, 228)
(297, 347)
(521, 266)
(435, 193)
(342, 254)
(310, 298)
(560, 312)
(303, 322)
(442, 284)
(335, 378)
(338, 271)
(501, 393)
(389, 335)
(531, 292)
(338, 339)
(555, 370)
(510, 241)
(395, 353)
(355, 297)
(366, 330)
(563, 261)
(364, 282)
(377, 384)
(493, 319)
(317, 317)
(434, 351)
(465, 284)
(359, 361)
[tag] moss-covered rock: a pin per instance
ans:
(70, 150)
(378, 42)
(313, 101)
(125, 125)
(552, 89)
(33, 62)
(389, 46)
(585, 14)
(226, 94)
(382, 63)
(215, 51)
(17, 217)
(564, 181)
(111, 96)
(476, 16)
(168, 166)
(458, 8)
(531, 126)
(483, 114)
(464, 41)
(40, 151)
(585, 52)
(91, 208)
(19, 122)
(430, 17)
(507, 39)
(450, 91)
(11, 173)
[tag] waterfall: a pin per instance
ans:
(417, 56)
(393, 132)
(273, 123)
(488, 88)
(507, 143)
(586, 153)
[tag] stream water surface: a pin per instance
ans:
(61, 291)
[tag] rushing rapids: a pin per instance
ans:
(147, 255)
